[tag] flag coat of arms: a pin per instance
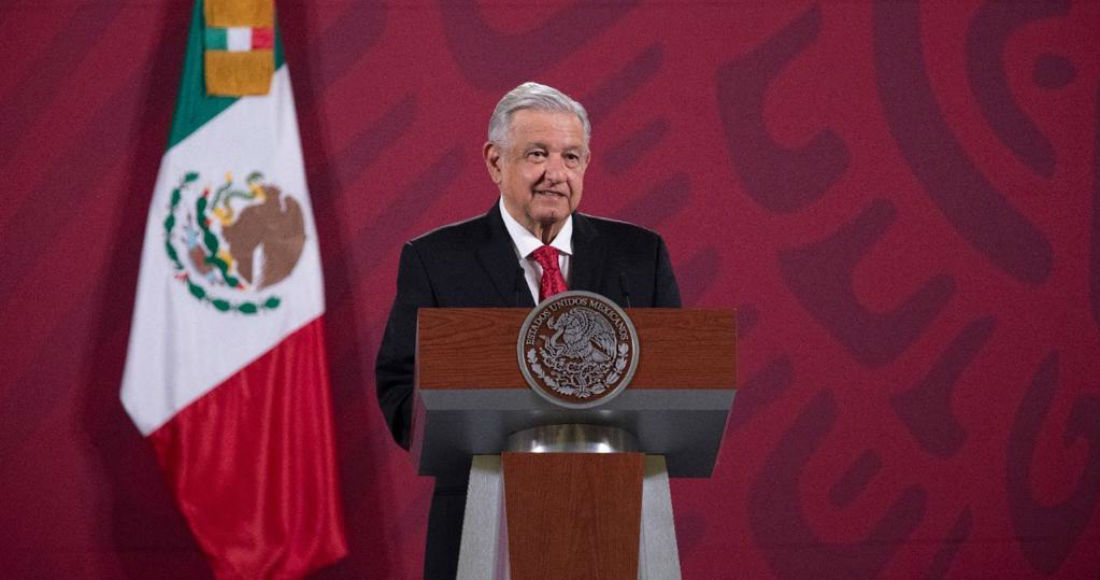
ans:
(225, 373)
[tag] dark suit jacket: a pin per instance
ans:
(473, 264)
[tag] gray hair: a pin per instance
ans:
(533, 96)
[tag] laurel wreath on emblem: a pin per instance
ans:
(582, 357)
(212, 260)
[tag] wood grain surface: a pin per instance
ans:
(475, 348)
(573, 515)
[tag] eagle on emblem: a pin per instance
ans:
(583, 334)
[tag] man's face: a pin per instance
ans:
(540, 171)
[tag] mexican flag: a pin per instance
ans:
(226, 373)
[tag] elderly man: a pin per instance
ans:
(530, 245)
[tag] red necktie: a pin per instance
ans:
(552, 281)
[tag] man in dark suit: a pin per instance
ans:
(532, 242)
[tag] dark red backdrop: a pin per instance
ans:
(901, 199)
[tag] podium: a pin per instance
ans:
(557, 492)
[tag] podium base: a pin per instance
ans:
(484, 552)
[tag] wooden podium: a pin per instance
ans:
(570, 493)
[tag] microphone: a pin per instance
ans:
(624, 286)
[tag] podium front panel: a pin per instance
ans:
(471, 395)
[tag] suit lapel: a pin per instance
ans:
(498, 257)
(589, 254)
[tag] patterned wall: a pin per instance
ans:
(902, 200)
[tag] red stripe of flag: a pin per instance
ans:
(253, 467)
(263, 38)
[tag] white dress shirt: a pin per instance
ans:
(524, 243)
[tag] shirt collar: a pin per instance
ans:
(525, 242)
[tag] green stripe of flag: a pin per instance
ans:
(216, 38)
